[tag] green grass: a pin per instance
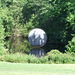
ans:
(36, 69)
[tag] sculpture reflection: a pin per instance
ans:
(37, 52)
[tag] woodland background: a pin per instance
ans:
(55, 17)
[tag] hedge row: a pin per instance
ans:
(53, 56)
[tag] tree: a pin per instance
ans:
(71, 45)
(53, 17)
(2, 49)
(15, 29)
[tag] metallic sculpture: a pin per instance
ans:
(37, 38)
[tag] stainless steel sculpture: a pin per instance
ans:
(37, 37)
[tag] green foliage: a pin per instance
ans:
(56, 58)
(2, 50)
(6, 3)
(51, 16)
(20, 58)
(71, 46)
(44, 59)
(60, 58)
(73, 54)
(15, 58)
(54, 51)
(16, 31)
(55, 17)
(70, 53)
(32, 59)
(1, 37)
(71, 19)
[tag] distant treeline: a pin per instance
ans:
(55, 17)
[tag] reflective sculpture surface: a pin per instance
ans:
(37, 37)
(37, 52)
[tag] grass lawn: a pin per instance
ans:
(36, 69)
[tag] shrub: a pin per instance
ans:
(2, 50)
(71, 46)
(70, 53)
(17, 58)
(54, 56)
(67, 59)
(20, 58)
(32, 59)
(51, 58)
(61, 58)
(73, 54)
(54, 51)
(43, 59)
(1, 38)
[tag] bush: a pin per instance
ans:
(73, 54)
(61, 58)
(19, 58)
(44, 59)
(1, 38)
(56, 58)
(70, 53)
(54, 51)
(2, 52)
(32, 59)
(71, 46)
